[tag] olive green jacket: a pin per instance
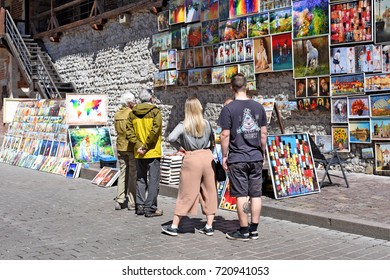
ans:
(120, 119)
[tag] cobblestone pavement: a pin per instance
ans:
(46, 216)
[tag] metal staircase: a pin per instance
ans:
(35, 64)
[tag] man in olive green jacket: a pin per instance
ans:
(144, 128)
(127, 180)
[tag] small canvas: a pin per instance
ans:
(386, 58)
(312, 87)
(339, 110)
(359, 132)
(340, 138)
(163, 20)
(182, 78)
(172, 59)
(380, 128)
(228, 202)
(230, 71)
(210, 33)
(198, 56)
(208, 56)
(233, 29)
(324, 86)
(324, 143)
(176, 11)
(181, 60)
(382, 157)
(300, 88)
(263, 57)
(73, 170)
(194, 77)
(223, 9)
(110, 178)
(258, 25)
(100, 176)
(243, 7)
(377, 82)
(206, 76)
(339, 61)
(367, 153)
(86, 109)
(209, 10)
(347, 85)
(358, 107)
(163, 61)
(159, 79)
(193, 10)
(171, 77)
(218, 75)
(280, 21)
(282, 52)
(380, 105)
(248, 69)
(194, 33)
(190, 58)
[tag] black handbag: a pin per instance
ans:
(220, 174)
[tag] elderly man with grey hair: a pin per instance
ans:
(144, 129)
(127, 180)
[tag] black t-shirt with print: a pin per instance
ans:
(244, 119)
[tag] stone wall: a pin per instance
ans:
(119, 58)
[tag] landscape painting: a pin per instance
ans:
(382, 157)
(280, 21)
(382, 19)
(346, 85)
(258, 25)
(377, 82)
(359, 132)
(380, 105)
(380, 128)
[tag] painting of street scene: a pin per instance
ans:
(382, 157)
(380, 128)
(379, 82)
(382, 21)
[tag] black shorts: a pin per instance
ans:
(246, 179)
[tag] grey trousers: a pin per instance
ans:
(148, 183)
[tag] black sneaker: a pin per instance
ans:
(237, 235)
(253, 235)
(169, 230)
(207, 231)
(140, 210)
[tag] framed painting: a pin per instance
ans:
(233, 29)
(310, 18)
(324, 143)
(171, 77)
(194, 33)
(364, 58)
(193, 10)
(86, 109)
(206, 76)
(280, 21)
(182, 78)
(324, 86)
(176, 11)
(258, 25)
(10, 108)
(159, 79)
(209, 10)
(227, 202)
(267, 5)
(172, 58)
(230, 71)
(161, 41)
(176, 38)
(194, 77)
(339, 61)
(339, 110)
(240, 51)
(351, 22)
(208, 56)
(359, 132)
(243, 7)
(282, 52)
(263, 57)
(347, 85)
(380, 105)
(248, 49)
(190, 58)
(218, 75)
(233, 51)
(291, 165)
(251, 85)
(248, 69)
(300, 88)
(380, 128)
(312, 87)
(367, 153)
(198, 56)
(311, 57)
(340, 139)
(381, 17)
(382, 157)
(163, 20)
(358, 107)
(89, 144)
(181, 60)
(223, 9)
(385, 58)
(210, 33)
(227, 56)
(163, 61)
(184, 38)
(219, 54)
(377, 82)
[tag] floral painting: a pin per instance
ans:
(358, 107)
(230, 71)
(194, 33)
(340, 139)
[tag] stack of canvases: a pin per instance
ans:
(37, 137)
(170, 169)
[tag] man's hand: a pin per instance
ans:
(141, 151)
(224, 163)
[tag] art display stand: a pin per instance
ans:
(37, 137)
(170, 169)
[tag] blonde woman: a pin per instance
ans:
(194, 138)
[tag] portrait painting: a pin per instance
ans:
(380, 128)
(311, 57)
(382, 157)
(190, 58)
(339, 110)
(163, 62)
(312, 87)
(280, 21)
(249, 48)
(324, 86)
(171, 77)
(218, 75)
(340, 138)
(380, 105)
(89, 144)
(159, 79)
(176, 11)
(382, 20)
(163, 20)
(232, 29)
(208, 56)
(210, 33)
(291, 165)
(230, 71)
(248, 69)
(300, 88)
(351, 22)
(263, 57)
(86, 109)
(347, 85)
(209, 10)
(181, 60)
(358, 107)
(194, 33)
(243, 7)
(339, 61)
(377, 82)
(198, 56)
(359, 131)
(193, 10)
(194, 77)
(282, 52)
(258, 25)
(182, 78)
(206, 76)
(310, 18)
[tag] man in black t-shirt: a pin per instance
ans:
(243, 142)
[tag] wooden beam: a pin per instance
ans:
(97, 19)
(59, 8)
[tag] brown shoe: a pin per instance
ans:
(156, 213)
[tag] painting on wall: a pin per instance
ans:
(312, 87)
(176, 38)
(194, 77)
(291, 165)
(163, 20)
(351, 22)
(184, 38)
(232, 29)
(364, 58)
(181, 60)
(89, 144)
(311, 57)
(359, 132)
(218, 75)
(339, 110)
(208, 56)
(382, 157)
(339, 61)
(380, 129)
(324, 143)
(209, 10)
(340, 139)
(380, 105)
(248, 49)
(367, 153)
(385, 58)
(243, 7)
(190, 58)
(86, 109)
(193, 10)
(210, 33)
(163, 61)
(206, 76)
(282, 52)
(176, 11)
(280, 21)
(377, 82)
(258, 25)
(182, 78)
(172, 59)
(346, 85)
(248, 69)
(263, 58)
(159, 79)
(240, 51)
(223, 9)
(324, 86)
(300, 88)
(382, 17)
(310, 18)
(198, 56)
(161, 41)
(171, 77)
(194, 33)
(233, 51)
(358, 107)
(230, 71)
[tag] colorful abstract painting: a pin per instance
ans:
(258, 25)
(86, 109)
(193, 10)
(209, 10)
(210, 33)
(88, 144)
(380, 105)
(291, 165)
(280, 21)
(282, 52)
(243, 7)
(176, 11)
(382, 157)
